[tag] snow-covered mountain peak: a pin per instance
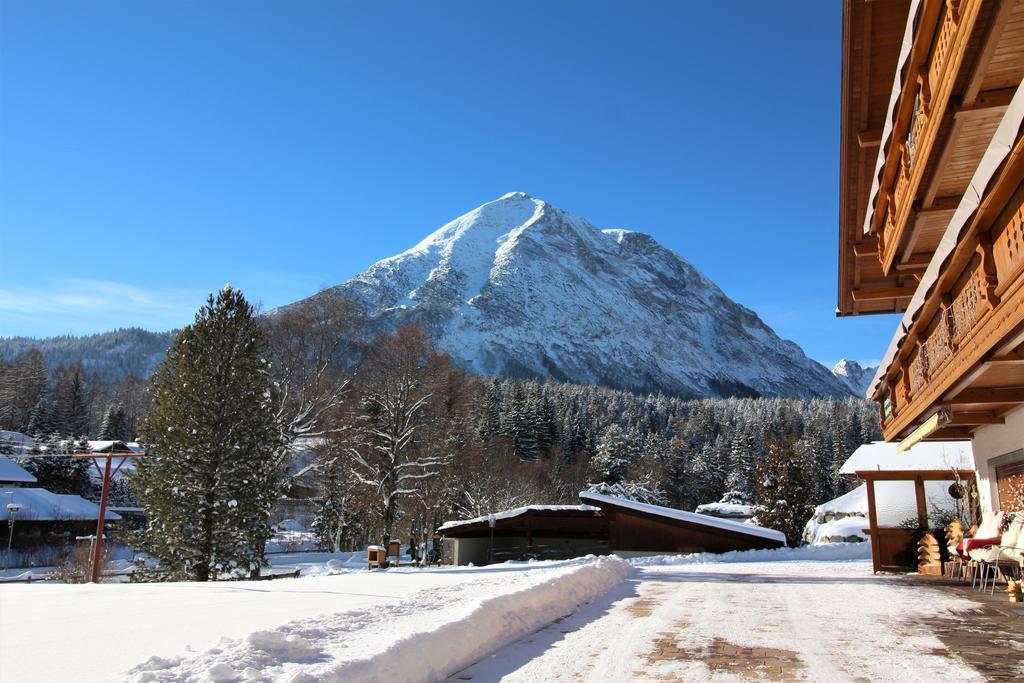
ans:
(519, 287)
(514, 195)
(855, 376)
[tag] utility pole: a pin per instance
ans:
(115, 450)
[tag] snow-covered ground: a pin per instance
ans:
(403, 624)
(824, 620)
(815, 613)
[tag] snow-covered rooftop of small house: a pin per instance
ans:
(726, 510)
(683, 516)
(21, 443)
(41, 505)
(516, 512)
(11, 471)
(926, 456)
(851, 502)
(99, 446)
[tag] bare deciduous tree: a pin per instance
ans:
(307, 342)
(401, 390)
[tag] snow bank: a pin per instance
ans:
(831, 552)
(319, 563)
(845, 530)
(427, 637)
(840, 520)
(727, 510)
(287, 541)
(493, 623)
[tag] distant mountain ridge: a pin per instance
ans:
(518, 287)
(111, 355)
(521, 288)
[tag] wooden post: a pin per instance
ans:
(97, 549)
(873, 523)
(922, 506)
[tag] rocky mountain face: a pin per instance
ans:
(854, 376)
(521, 288)
(518, 287)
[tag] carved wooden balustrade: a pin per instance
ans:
(986, 305)
(912, 144)
(950, 327)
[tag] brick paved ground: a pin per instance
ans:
(989, 637)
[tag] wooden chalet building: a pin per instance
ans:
(932, 219)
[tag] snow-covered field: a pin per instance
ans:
(815, 613)
(406, 624)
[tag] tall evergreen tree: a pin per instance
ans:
(59, 473)
(215, 445)
(40, 420)
(72, 404)
(614, 456)
(115, 425)
(785, 490)
(743, 456)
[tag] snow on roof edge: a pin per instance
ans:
(11, 471)
(926, 455)
(516, 512)
(683, 516)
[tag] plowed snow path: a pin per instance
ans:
(822, 621)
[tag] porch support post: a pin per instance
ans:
(873, 523)
(922, 506)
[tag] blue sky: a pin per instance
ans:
(151, 152)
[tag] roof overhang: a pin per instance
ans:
(687, 520)
(873, 41)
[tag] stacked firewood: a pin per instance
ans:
(1013, 589)
(929, 555)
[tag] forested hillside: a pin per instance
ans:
(112, 356)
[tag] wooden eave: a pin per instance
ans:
(872, 35)
(902, 475)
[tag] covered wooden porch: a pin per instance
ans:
(912, 494)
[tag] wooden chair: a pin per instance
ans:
(1006, 558)
(975, 549)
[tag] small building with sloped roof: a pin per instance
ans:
(601, 525)
(13, 474)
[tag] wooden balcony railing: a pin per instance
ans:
(970, 320)
(923, 104)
